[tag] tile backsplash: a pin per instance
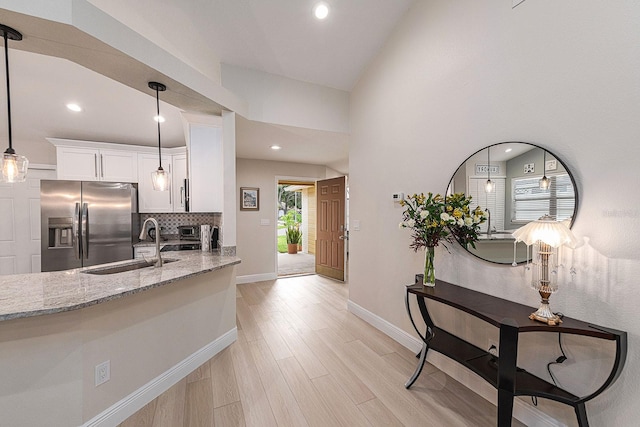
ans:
(171, 221)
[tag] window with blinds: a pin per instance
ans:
(530, 202)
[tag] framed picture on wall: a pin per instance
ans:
(249, 199)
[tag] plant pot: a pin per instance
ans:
(292, 248)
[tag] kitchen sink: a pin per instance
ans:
(121, 268)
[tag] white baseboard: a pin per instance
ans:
(252, 278)
(131, 404)
(523, 412)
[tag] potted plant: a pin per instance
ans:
(293, 238)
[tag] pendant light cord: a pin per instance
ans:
(488, 164)
(6, 62)
(158, 120)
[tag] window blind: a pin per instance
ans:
(530, 202)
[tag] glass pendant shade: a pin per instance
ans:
(160, 179)
(14, 168)
(489, 186)
(544, 183)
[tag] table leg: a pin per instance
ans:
(581, 414)
(425, 338)
(416, 374)
(507, 369)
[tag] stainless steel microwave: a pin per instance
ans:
(189, 232)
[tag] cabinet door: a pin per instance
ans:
(178, 178)
(118, 166)
(149, 200)
(78, 164)
(205, 169)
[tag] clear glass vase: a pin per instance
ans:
(429, 267)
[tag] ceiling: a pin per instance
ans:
(279, 37)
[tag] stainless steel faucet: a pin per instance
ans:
(488, 222)
(142, 233)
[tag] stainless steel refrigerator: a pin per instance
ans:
(86, 223)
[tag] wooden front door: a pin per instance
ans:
(330, 243)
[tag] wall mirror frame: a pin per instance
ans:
(515, 170)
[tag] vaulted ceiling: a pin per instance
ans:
(277, 36)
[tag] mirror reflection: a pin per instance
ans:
(515, 183)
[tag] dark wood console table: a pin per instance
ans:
(501, 371)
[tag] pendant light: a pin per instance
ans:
(160, 177)
(13, 167)
(544, 181)
(489, 185)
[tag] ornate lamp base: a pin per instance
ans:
(544, 313)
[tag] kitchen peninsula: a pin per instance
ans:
(153, 326)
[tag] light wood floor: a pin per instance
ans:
(302, 359)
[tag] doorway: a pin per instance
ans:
(296, 227)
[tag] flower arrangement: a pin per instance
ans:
(424, 216)
(433, 218)
(466, 224)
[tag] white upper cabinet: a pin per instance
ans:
(95, 162)
(205, 167)
(118, 166)
(179, 181)
(79, 164)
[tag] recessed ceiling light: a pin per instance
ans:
(321, 10)
(74, 107)
(275, 147)
(158, 119)
(508, 150)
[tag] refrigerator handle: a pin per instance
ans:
(84, 230)
(76, 232)
(101, 166)
(95, 165)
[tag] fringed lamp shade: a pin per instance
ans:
(546, 236)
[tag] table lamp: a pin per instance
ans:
(546, 235)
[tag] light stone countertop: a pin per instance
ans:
(37, 294)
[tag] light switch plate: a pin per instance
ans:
(355, 224)
(551, 165)
(265, 222)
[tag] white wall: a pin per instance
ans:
(256, 244)
(459, 75)
(284, 101)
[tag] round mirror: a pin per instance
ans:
(514, 183)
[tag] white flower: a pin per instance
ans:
(460, 222)
(468, 221)
(445, 216)
(410, 223)
(476, 219)
(424, 214)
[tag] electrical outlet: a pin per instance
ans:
(103, 372)
(493, 347)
